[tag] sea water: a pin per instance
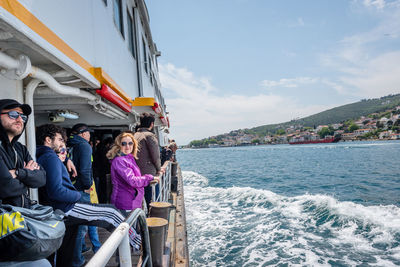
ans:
(293, 205)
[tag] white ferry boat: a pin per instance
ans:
(90, 61)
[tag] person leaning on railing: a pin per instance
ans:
(128, 182)
(149, 161)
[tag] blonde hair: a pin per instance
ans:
(116, 148)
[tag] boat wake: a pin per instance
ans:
(243, 226)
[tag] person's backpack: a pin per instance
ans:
(30, 234)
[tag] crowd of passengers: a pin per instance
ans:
(69, 169)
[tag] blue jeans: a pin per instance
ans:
(94, 239)
(78, 259)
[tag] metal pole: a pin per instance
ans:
(157, 239)
(153, 192)
(30, 129)
(124, 249)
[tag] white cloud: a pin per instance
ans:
(288, 53)
(298, 23)
(380, 76)
(289, 82)
(367, 62)
(196, 111)
(336, 86)
(375, 3)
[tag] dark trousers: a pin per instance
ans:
(148, 193)
(66, 251)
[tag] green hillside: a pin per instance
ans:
(340, 114)
(336, 115)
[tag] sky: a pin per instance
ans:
(235, 64)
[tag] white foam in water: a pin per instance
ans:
(250, 227)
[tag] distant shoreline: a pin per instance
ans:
(244, 145)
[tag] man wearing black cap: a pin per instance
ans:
(18, 171)
(81, 155)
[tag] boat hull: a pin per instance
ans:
(319, 141)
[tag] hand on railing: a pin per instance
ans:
(156, 180)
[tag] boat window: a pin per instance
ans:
(145, 57)
(131, 34)
(150, 67)
(150, 70)
(118, 16)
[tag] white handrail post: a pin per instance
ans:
(161, 186)
(125, 252)
(165, 184)
(153, 192)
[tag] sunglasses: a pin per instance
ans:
(125, 143)
(15, 114)
(63, 150)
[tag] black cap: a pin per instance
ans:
(11, 103)
(81, 128)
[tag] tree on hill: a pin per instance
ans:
(280, 132)
(326, 131)
(353, 127)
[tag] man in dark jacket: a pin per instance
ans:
(81, 155)
(18, 171)
(59, 191)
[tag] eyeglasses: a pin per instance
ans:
(15, 114)
(125, 143)
(63, 150)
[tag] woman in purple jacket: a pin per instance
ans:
(128, 182)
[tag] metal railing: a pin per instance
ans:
(164, 185)
(119, 239)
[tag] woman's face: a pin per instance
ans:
(63, 153)
(127, 145)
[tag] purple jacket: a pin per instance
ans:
(128, 183)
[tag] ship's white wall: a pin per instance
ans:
(87, 26)
(12, 89)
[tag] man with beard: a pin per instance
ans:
(60, 193)
(18, 171)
